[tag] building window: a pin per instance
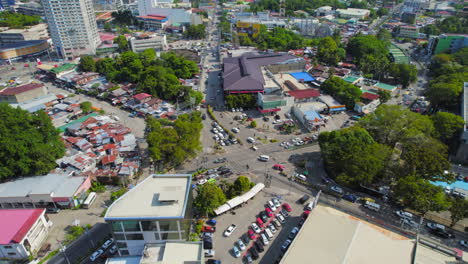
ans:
(170, 236)
(149, 226)
(134, 236)
(131, 226)
(11, 253)
(121, 244)
(7, 247)
(117, 227)
(168, 225)
(124, 252)
(119, 236)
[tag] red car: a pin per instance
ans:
(209, 229)
(269, 212)
(305, 214)
(278, 167)
(251, 234)
(287, 207)
(259, 222)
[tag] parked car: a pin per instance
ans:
(287, 207)
(254, 253)
(271, 205)
(442, 233)
(209, 253)
(409, 222)
(219, 160)
(293, 233)
(278, 167)
(113, 249)
(209, 229)
(229, 230)
(241, 244)
(248, 258)
(107, 243)
(263, 217)
(52, 210)
(434, 226)
(280, 218)
(276, 223)
(255, 228)
(284, 213)
(276, 202)
(350, 197)
(251, 234)
(285, 245)
(269, 212)
(236, 252)
(337, 189)
(304, 199)
(96, 255)
(272, 228)
(259, 246)
(202, 181)
(403, 214)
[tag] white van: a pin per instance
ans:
(263, 158)
(309, 206)
(372, 206)
(268, 234)
(300, 177)
(264, 239)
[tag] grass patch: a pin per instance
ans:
(49, 256)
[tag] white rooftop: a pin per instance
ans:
(157, 196)
(332, 237)
(173, 253)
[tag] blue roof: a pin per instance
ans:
(312, 115)
(303, 76)
(457, 184)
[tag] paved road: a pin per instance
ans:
(74, 253)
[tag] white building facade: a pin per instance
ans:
(72, 26)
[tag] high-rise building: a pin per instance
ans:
(72, 26)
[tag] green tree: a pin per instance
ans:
(445, 91)
(370, 53)
(340, 152)
(384, 35)
(382, 11)
(209, 197)
(17, 20)
(431, 30)
(182, 67)
(253, 124)
(447, 126)
(195, 32)
(404, 73)
(122, 42)
(345, 92)
(108, 27)
(240, 100)
(458, 210)
(87, 64)
(86, 107)
(329, 52)
(29, 143)
(362, 4)
(384, 96)
(421, 195)
(241, 185)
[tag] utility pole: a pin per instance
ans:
(63, 250)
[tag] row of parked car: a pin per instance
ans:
(221, 136)
(100, 252)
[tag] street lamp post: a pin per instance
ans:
(63, 250)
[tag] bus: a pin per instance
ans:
(89, 200)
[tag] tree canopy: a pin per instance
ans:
(195, 32)
(87, 64)
(447, 127)
(292, 5)
(17, 20)
(329, 52)
(122, 42)
(370, 53)
(278, 39)
(346, 93)
(209, 197)
(451, 24)
(29, 144)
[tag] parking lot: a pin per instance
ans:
(244, 216)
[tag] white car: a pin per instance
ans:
(464, 243)
(337, 189)
(409, 222)
(435, 226)
(241, 245)
(250, 140)
(281, 218)
(272, 228)
(209, 253)
(255, 228)
(96, 255)
(202, 181)
(113, 249)
(230, 230)
(277, 121)
(276, 202)
(403, 214)
(236, 252)
(107, 243)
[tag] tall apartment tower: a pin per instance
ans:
(72, 26)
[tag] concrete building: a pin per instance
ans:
(271, 103)
(7, 4)
(51, 190)
(414, 6)
(107, 5)
(353, 13)
(35, 32)
(156, 210)
(19, 94)
(156, 42)
(324, 11)
(313, 27)
(72, 26)
(462, 153)
(251, 26)
(173, 15)
(21, 49)
(408, 32)
(30, 9)
(450, 43)
(22, 232)
(153, 22)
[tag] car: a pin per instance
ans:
(96, 255)
(403, 214)
(262, 218)
(209, 229)
(272, 228)
(245, 238)
(284, 213)
(213, 176)
(464, 243)
(241, 244)
(280, 218)
(276, 202)
(202, 181)
(107, 243)
(304, 199)
(285, 245)
(229, 230)
(337, 189)
(248, 258)
(293, 233)
(278, 167)
(442, 233)
(301, 222)
(259, 246)
(255, 228)
(251, 234)
(409, 222)
(250, 140)
(52, 210)
(264, 239)
(207, 235)
(271, 205)
(276, 223)
(254, 253)
(269, 212)
(350, 197)
(209, 253)
(219, 160)
(113, 249)
(287, 207)
(236, 252)
(434, 226)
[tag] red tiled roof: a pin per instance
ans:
(20, 89)
(108, 159)
(307, 93)
(155, 17)
(141, 96)
(16, 224)
(370, 96)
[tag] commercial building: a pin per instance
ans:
(246, 73)
(23, 49)
(107, 5)
(7, 4)
(251, 26)
(156, 210)
(408, 32)
(271, 103)
(72, 26)
(173, 15)
(30, 9)
(22, 232)
(309, 117)
(19, 94)
(51, 190)
(153, 22)
(353, 13)
(450, 43)
(462, 153)
(156, 42)
(35, 32)
(324, 11)
(414, 6)
(306, 95)
(313, 27)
